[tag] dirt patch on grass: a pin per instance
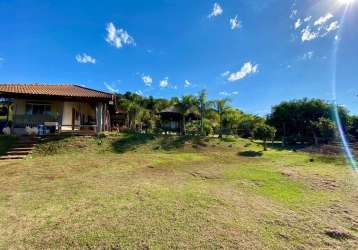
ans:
(315, 181)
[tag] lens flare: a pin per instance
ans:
(347, 150)
(345, 2)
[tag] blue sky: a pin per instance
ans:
(257, 53)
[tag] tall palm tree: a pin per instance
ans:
(204, 105)
(187, 105)
(221, 107)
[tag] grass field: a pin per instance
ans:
(141, 192)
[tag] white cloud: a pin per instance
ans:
(235, 23)
(147, 80)
(314, 29)
(298, 23)
(224, 93)
(139, 92)
(217, 10)
(225, 74)
(333, 26)
(111, 88)
(323, 19)
(307, 56)
(293, 13)
(118, 37)
(84, 58)
(307, 19)
(308, 34)
(187, 84)
(245, 70)
(164, 83)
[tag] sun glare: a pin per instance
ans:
(345, 2)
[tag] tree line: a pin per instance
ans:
(305, 121)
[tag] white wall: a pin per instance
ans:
(67, 114)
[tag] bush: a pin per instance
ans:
(264, 132)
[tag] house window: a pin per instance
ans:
(38, 109)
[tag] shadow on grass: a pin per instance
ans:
(250, 153)
(130, 141)
(280, 147)
(6, 141)
(177, 142)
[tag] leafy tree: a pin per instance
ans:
(187, 104)
(294, 120)
(264, 132)
(221, 107)
(203, 105)
(353, 128)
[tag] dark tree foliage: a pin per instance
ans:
(264, 132)
(353, 129)
(296, 121)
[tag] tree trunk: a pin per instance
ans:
(183, 126)
(202, 122)
(315, 139)
(265, 145)
(220, 126)
(284, 135)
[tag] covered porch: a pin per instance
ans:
(49, 114)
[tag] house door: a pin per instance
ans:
(73, 118)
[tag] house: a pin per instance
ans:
(54, 108)
(171, 119)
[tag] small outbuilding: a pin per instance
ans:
(171, 119)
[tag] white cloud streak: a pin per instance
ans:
(333, 26)
(298, 23)
(147, 79)
(235, 23)
(247, 69)
(84, 58)
(323, 19)
(217, 10)
(164, 83)
(111, 88)
(224, 93)
(308, 34)
(307, 56)
(118, 37)
(187, 84)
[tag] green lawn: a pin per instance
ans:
(139, 192)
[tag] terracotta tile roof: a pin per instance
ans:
(60, 90)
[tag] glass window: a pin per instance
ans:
(38, 109)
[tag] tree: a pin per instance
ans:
(187, 104)
(264, 132)
(293, 120)
(221, 108)
(204, 105)
(353, 128)
(323, 128)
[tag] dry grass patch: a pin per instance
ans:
(130, 191)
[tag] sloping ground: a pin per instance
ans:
(19, 148)
(6, 143)
(136, 191)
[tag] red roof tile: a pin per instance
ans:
(60, 90)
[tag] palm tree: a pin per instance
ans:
(186, 105)
(204, 105)
(221, 107)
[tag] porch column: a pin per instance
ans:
(99, 117)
